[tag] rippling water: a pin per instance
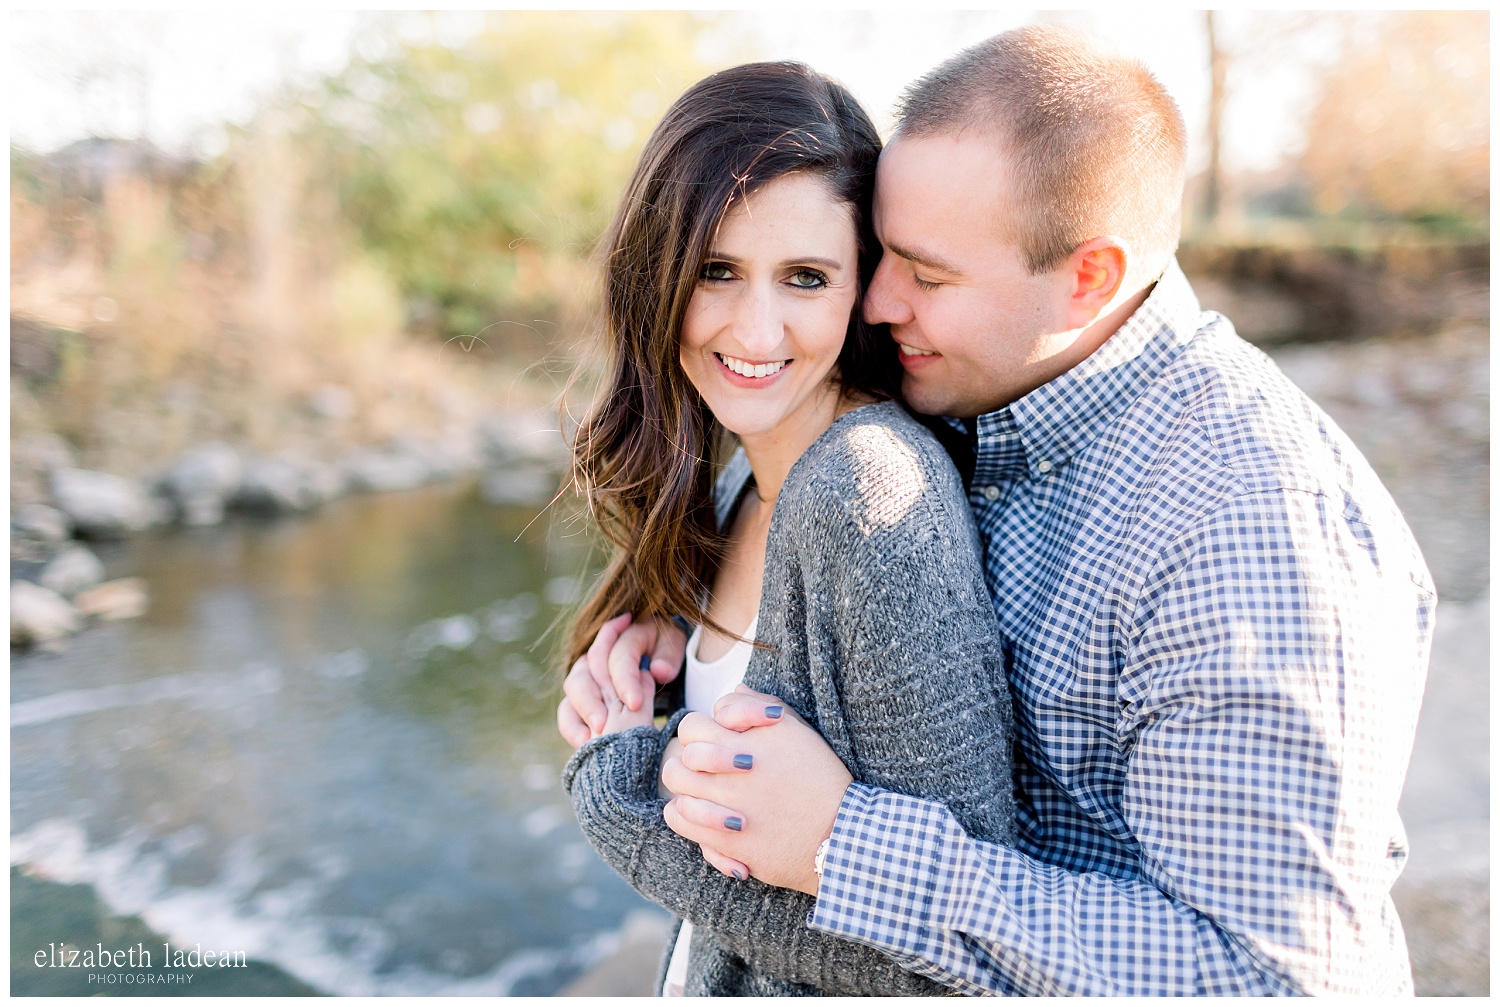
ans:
(329, 744)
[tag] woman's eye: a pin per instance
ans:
(715, 271)
(928, 285)
(809, 279)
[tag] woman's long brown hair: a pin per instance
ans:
(643, 457)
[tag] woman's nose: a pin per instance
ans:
(758, 321)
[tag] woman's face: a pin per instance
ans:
(766, 323)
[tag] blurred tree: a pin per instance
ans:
(481, 163)
(1401, 124)
(1218, 69)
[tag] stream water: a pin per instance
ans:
(330, 744)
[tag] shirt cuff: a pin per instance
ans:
(881, 881)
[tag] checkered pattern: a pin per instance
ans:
(1217, 624)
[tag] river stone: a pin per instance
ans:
(380, 471)
(39, 616)
(72, 570)
(27, 552)
(202, 482)
(125, 598)
(522, 436)
(277, 485)
(43, 523)
(445, 456)
(516, 486)
(326, 481)
(331, 402)
(100, 504)
(42, 451)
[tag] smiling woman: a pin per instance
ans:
(832, 560)
(744, 231)
(765, 326)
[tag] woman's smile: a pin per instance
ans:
(750, 370)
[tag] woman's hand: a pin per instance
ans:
(591, 707)
(611, 675)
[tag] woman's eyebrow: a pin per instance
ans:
(714, 255)
(814, 260)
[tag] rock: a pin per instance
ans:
(125, 598)
(39, 616)
(72, 570)
(33, 459)
(99, 504)
(43, 523)
(384, 470)
(276, 485)
(326, 481)
(202, 481)
(160, 510)
(27, 551)
(522, 435)
(44, 452)
(525, 456)
(517, 486)
(331, 402)
(446, 455)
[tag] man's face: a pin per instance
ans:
(975, 329)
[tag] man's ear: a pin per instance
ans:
(1096, 271)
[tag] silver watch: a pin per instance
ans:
(820, 856)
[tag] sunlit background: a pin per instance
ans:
(293, 299)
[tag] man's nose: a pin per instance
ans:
(883, 300)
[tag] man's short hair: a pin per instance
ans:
(1096, 145)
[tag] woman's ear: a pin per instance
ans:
(1096, 270)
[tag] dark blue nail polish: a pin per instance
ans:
(773, 712)
(744, 761)
(733, 824)
(645, 662)
(738, 875)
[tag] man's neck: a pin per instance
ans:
(1085, 343)
(1106, 325)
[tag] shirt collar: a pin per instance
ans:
(1042, 430)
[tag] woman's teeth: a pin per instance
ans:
(912, 351)
(746, 369)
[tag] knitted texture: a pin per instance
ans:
(882, 636)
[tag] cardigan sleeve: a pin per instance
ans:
(883, 632)
(612, 780)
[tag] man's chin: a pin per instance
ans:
(923, 398)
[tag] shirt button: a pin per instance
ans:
(1044, 466)
(992, 493)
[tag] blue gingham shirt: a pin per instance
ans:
(1217, 626)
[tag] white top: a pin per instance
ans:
(706, 682)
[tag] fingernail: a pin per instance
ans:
(739, 875)
(773, 712)
(744, 761)
(733, 824)
(645, 662)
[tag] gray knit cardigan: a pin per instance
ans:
(883, 637)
